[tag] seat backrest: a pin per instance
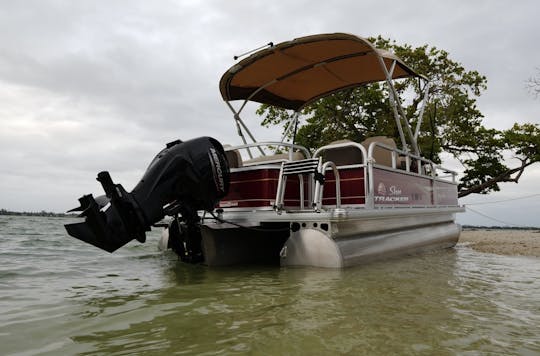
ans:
(234, 158)
(343, 156)
(279, 157)
(381, 155)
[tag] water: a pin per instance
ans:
(59, 296)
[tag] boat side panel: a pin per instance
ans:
(444, 193)
(257, 188)
(397, 188)
(352, 186)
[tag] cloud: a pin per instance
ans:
(87, 86)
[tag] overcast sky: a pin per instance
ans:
(87, 86)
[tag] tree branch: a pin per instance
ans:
(459, 149)
(503, 177)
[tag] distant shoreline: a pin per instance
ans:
(474, 227)
(34, 213)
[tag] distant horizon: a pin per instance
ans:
(45, 213)
(35, 213)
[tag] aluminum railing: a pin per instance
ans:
(401, 162)
(315, 169)
(273, 145)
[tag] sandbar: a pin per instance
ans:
(503, 241)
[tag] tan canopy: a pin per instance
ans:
(294, 73)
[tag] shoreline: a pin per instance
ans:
(502, 242)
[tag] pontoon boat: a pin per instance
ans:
(344, 204)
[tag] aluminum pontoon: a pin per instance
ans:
(344, 204)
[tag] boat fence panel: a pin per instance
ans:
(444, 193)
(352, 186)
(257, 187)
(399, 188)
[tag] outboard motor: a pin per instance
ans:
(183, 178)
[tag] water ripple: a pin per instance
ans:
(60, 296)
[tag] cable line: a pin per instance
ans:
(505, 200)
(489, 217)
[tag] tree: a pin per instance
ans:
(533, 84)
(452, 122)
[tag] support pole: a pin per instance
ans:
(398, 106)
(422, 109)
(393, 102)
(238, 128)
(239, 124)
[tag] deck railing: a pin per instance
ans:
(396, 161)
(291, 150)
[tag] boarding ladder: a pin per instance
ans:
(315, 169)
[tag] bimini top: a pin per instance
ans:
(294, 73)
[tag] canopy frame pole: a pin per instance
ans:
(397, 104)
(292, 123)
(422, 109)
(255, 93)
(393, 103)
(236, 117)
(239, 124)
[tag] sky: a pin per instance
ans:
(87, 86)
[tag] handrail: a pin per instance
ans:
(414, 164)
(316, 168)
(246, 146)
(408, 156)
(341, 145)
(319, 187)
(422, 165)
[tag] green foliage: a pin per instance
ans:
(452, 122)
(349, 114)
(524, 141)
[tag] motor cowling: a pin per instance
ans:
(183, 178)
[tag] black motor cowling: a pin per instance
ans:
(183, 178)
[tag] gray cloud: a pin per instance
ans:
(87, 86)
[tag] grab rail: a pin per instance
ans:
(420, 161)
(357, 145)
(319, 185)
(397, 160)
(291, 147)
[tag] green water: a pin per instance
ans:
(59, 296)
